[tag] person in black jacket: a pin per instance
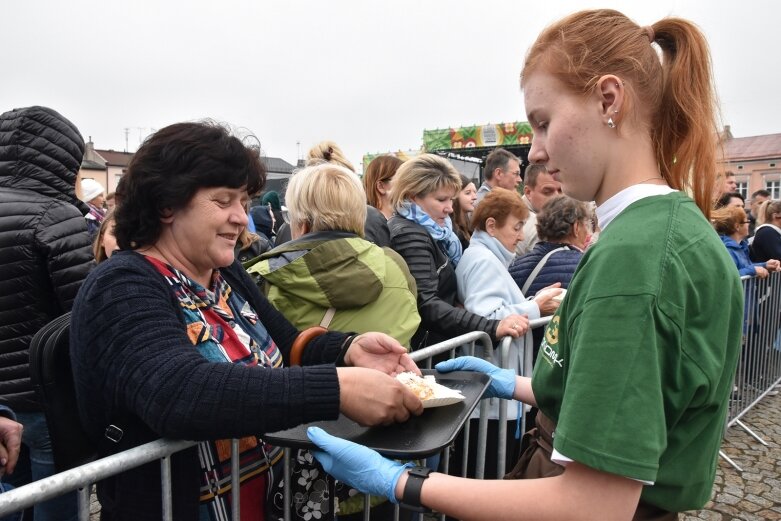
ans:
(46, 256)
(422, 233)
(172, 338)
(766, 244)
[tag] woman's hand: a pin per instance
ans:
(761, 272)
(545, 301)
(370, 397)
(773, 265)
(381, 352)
(512, 325)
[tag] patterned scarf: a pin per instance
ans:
(224, 328)
(444, 236)
(96, 213)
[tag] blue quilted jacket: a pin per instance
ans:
(559, 268)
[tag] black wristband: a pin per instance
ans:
(345, 346)
(410, 499)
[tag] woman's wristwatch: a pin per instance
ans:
(410, 499)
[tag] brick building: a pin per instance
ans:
(755, 161)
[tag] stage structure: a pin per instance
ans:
(467, 147)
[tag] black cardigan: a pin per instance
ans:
(135, 366)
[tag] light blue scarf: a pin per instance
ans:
(442, 235)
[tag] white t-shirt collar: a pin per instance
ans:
(608, 210)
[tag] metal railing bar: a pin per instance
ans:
(84, 475)
(165, 485)
(235, 482)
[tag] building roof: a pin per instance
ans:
(92, 165)
(114, 158)
(278, 165)
(767, 146)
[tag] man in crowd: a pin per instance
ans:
(46, 256)
(728, 184)
(502, 169)
(538, 187)
(757, 198)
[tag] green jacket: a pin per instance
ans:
(370, 287)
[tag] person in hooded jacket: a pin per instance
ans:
(46, 256)
(329, 265)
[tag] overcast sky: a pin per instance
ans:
(369, 75)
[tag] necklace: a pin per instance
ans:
(651, 179)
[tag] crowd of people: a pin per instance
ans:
(198, 313)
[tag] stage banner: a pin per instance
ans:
(503, 134)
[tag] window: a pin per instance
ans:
(742, 187)
(774, 187)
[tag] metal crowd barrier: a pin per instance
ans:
(81, 478)
(758, 373)
(759, 365)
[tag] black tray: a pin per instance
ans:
(418, 437)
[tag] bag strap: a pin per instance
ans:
(328, 317)
(538, 267)
(302, 340)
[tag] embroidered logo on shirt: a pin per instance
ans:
(549, 343)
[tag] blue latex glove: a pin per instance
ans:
(356, 465)
(502, 380)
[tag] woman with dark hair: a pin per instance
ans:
(173, 339)
(463, 205)
(637, 365)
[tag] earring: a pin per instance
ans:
(610, 123)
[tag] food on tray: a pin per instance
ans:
(419, 385)
(431, 393)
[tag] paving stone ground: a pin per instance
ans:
(751, 495)
(755, 493)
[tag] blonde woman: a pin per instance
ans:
(422, 233)
(375, 227)
(329, 264)
(329, 275)
(328, 152)
(767, 236)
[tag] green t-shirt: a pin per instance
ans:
(637, 365)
